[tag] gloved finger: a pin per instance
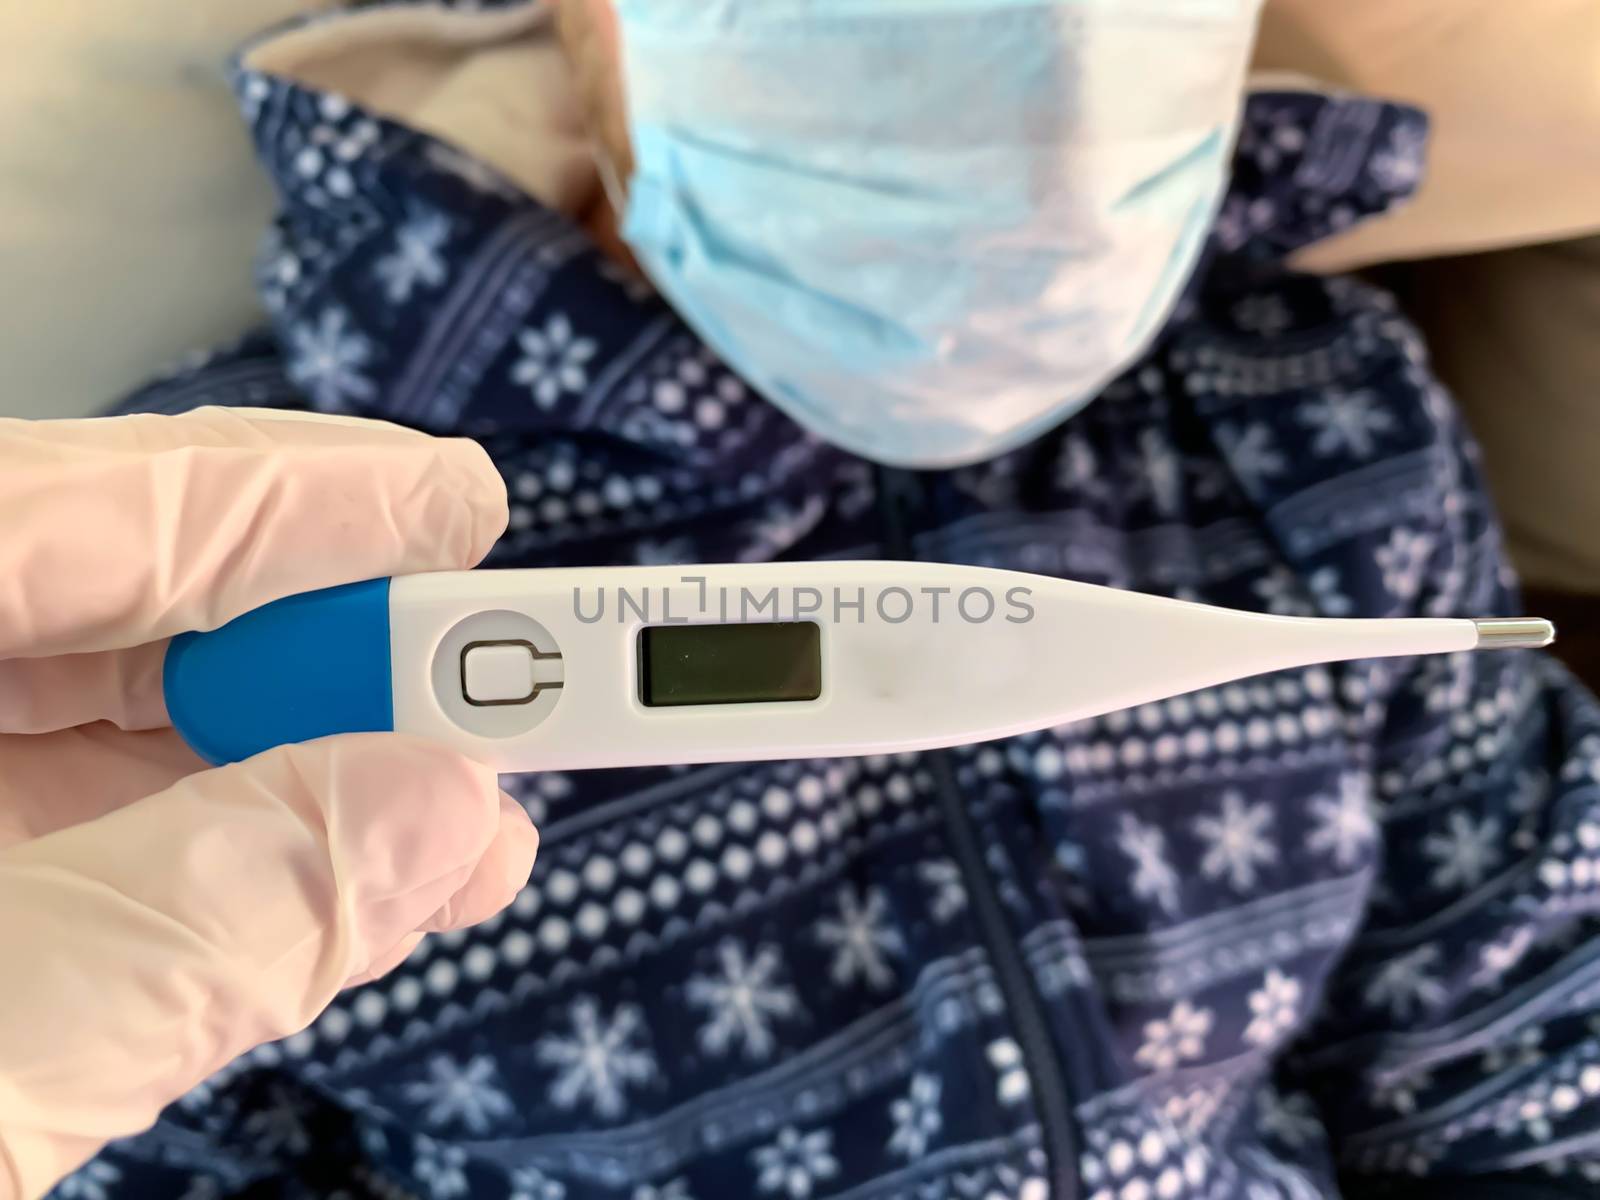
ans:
(498, 877)
(56, 780)
(185, 522)
(387, 961)
(169, 936)
(38, 695)
(500, 874)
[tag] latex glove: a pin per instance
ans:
(157, 918)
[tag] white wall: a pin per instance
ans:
(130, 200)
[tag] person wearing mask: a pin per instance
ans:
(990, 283)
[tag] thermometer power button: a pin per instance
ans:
(506, 672)
(494, 674)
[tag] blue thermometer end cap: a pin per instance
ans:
(303, 667)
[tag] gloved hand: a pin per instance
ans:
(158, 918)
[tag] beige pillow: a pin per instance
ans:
(1514, 335)
(1513, 91)
(130, 202)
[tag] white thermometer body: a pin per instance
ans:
(562, 669)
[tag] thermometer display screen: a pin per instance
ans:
(760, 663)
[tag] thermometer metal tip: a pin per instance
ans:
(1514, 633)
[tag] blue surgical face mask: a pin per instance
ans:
(928, 229)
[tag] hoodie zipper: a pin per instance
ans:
(898, 492)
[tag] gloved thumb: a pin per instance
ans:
(145, 949)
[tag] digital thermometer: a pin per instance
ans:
(562, 669)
